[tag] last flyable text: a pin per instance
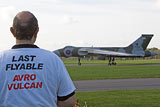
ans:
(24, 66)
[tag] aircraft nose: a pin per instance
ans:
(57, 52)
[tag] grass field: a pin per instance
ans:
(112, 72)
(117, 98)
(120, 98)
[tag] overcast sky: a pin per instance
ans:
(84, 22)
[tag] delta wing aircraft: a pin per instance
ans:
(136, 49)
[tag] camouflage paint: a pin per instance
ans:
(136, 49)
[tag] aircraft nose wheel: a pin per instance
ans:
(79, 64)
(79, 61)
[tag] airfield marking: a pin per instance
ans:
(117, 84)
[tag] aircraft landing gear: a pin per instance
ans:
(79, 61)
(112, 61)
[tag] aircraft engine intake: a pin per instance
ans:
(82, 52)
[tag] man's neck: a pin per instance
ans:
(18, 42)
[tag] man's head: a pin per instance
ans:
(25, 26)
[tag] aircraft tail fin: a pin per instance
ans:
(141, 43)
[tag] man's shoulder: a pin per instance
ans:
(47, 52)
(51, 57)
(5, 52)
(37, 50)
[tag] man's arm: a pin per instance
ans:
(70, 102)
(66, 89)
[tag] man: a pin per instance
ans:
(30, 76)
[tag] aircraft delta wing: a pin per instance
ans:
(105, 52)
(136, 49)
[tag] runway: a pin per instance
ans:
(146, 64)
(118, 84)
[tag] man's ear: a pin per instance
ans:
(35, 34)
(37, 30)
(12, 31)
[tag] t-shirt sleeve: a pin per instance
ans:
(66, 86)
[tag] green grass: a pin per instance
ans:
(112, 72)
(120, 98)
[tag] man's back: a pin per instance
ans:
(32, 77)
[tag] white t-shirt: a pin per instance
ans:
(32, 77)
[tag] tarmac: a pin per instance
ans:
(151, 64)
(117, 84)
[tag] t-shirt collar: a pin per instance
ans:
(24, 46)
